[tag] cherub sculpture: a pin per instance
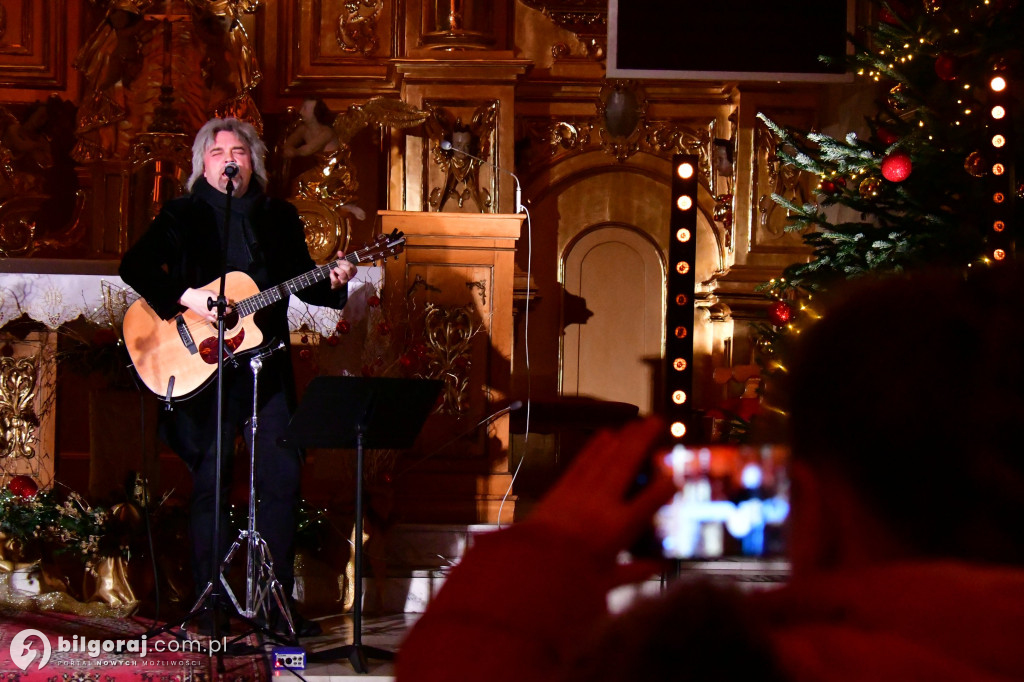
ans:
(326, 192)
(469, 147)
(326, 138)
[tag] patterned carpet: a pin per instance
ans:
(85, 649)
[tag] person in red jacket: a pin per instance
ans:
(906, 539)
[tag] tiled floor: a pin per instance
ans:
(383, 632)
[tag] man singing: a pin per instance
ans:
(183, 251)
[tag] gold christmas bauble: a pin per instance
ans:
(869, 187)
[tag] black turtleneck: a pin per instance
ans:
(243, 250)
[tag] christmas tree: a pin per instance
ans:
(933, 181)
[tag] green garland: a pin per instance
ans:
(47, 522)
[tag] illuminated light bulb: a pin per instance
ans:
(999, 254)
(999, 197)
(967, 112)
(683, 235)
(998, 112)
(682, 267)
(678, 397)
(999, 226)
(685, 203)
(681, 332)
(998, 84)
(678, 429)
(998, 169)
(685, 170)
(679, 364)
(998, 141)
(682, 299)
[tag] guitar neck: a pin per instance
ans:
(271, 295)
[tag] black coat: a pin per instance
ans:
(182, 249)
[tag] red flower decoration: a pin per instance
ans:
(304, 339)
(305, 354)
(406, 361)
(333, 340)
(373, 301)
(343, 326)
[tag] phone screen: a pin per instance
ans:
(731, 501)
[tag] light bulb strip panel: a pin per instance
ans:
(680, 309)
(999, 146)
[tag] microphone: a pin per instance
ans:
(231, 169)
(447, 146)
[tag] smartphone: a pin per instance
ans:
(731, 501)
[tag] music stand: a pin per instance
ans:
(360, 413)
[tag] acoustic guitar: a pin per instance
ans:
(176, 358)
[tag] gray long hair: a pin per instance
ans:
(208, 133)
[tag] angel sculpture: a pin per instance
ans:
(325, 193)
(469, 147)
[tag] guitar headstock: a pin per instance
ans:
(382, 247)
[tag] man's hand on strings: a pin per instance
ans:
(342, 273)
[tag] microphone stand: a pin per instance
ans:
(212, 591)
(446, 145)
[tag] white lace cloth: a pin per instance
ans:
(56, 299)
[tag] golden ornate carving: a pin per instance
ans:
(482, 286)
(326, 192)
(782, 179)
(357, 26)
(586, 19)
(473, 140)
(17, 419)
(621, 128)
(449, 332)
(163, 66)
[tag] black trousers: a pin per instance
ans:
(191, 431)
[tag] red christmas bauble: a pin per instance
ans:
(840, 181)
(305, 354)
(779, 313)
(406, 360)
(886, 136)
(333, 340)
(896, 167)
(343, 326)
(23, 486)
(828, 187)
(946, 67)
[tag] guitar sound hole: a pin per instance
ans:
(208, 348)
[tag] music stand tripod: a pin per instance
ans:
(361, 413)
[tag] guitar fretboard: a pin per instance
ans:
(271, 295)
